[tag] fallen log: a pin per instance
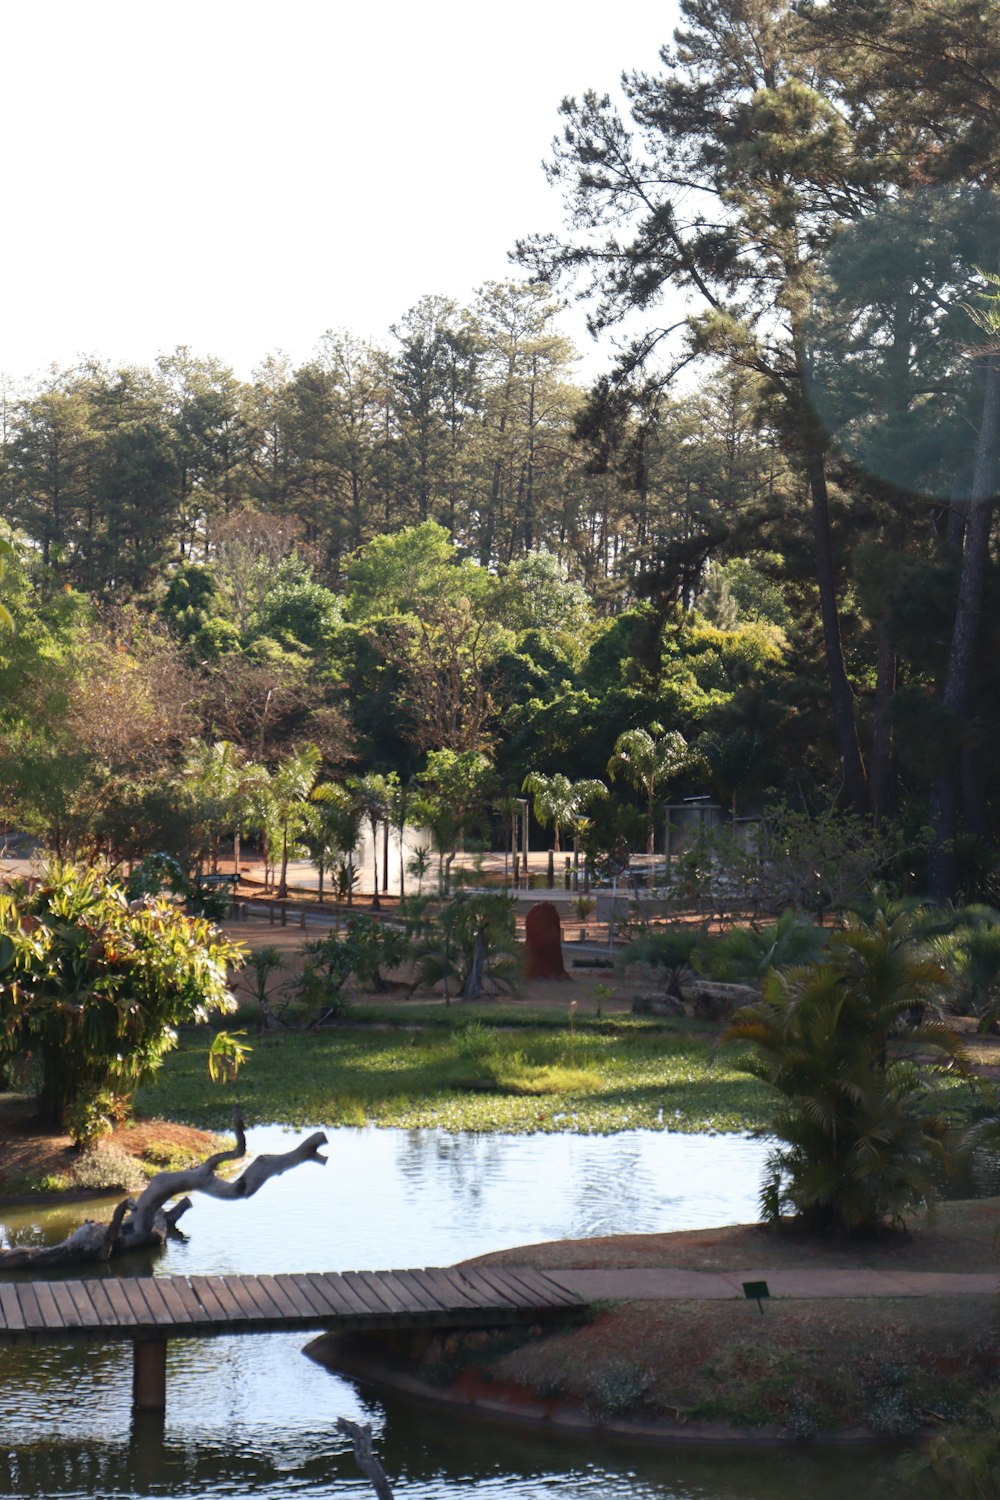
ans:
(148, 1221)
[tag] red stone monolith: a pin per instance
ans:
(543, 943)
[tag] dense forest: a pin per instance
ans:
(768, 527)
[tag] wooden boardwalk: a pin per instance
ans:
(161, 1308)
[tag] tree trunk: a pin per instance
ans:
(943, 810)
(473, 987)
(283, 880)
(841, 697)
(881, 758)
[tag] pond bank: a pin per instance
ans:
(843, 1370)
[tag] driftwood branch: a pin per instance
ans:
(148, 1221)
(364, 1456)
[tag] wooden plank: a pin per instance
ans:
(132, 1292)
(381, 1284)
(452, 1288)
(12, 1315)
(47, 1305)
(538, 1290)
(267, 1308)
(30, 1310)
(367, 1293)
(508, 1285)
(229, 1308)
(250, 1309)
(490, 1287)
(292, 1308)
(120, 1304)
(79, 1292)
(414, 1298)
(333, 1285)
(422, 1298)
(204, 1288)
(105, 1310)
(448, 1298)
(64, 1302)
(307, 1296)
(195, 1311)
(395, 1299)
(177, 1312)
(160, 1315)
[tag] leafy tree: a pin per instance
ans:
(94, 990)
(455, 788)
(857, 1147)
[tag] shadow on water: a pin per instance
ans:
(218, 1439)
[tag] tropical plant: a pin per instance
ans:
(560, 801)
(671, 950)
(744, 955)
(463, 941)
(418, 864)
(831, 1039)
(93, 987)
(648, 758)
(263, 962)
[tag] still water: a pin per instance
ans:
(255, 1416)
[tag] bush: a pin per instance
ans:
(93, 988)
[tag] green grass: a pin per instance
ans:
(467, 1075)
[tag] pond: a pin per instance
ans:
(254, 1415)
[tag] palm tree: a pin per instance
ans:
(224, 775)
(647, 758)
(402, 799)
(372, 799)
(831, 1040)
(290, 788)
(333, 829)
(558, 800)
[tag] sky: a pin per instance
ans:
(240, 176)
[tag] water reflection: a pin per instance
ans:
(253, 1415)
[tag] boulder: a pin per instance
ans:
(710, 1001)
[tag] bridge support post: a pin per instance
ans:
(149, 1374)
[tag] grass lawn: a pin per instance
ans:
(487, 1068)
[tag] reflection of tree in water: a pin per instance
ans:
(460, 1167)
(561, 1185)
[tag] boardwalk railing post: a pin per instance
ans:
(149, 1374)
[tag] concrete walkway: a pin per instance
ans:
(664, 1285)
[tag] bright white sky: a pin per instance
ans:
(239, 176)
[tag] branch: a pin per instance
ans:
(365, 1459)
(202, 1179)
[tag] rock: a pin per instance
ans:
(710, 1001)
(543, 943)
(655, 1003)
